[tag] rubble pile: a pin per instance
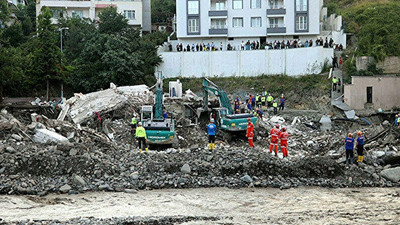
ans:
(69, 155)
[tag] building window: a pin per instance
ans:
(301, 22)
(193, 25)
(237, 4)
(218, 5)
(255, 21)
(129, 14)
(193, 7)
(273, 4)
(255, 4)
(301, 5)
(58, 13)
(237, 22)
(77, 14)
(273, 23)
(218, 23)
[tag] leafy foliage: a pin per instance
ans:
(374, 22)
(118, 54)
(93, 55)
(161, 10)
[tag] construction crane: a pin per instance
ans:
(159, 130)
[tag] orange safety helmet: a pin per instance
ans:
(359, 133)
(350, 135)
(277, 125)
(284, 128)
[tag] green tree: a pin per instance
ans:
(79, 32)
(161, 10)
(11, 63)
(47, 55)
(111, 21)
(121, 56)
(13, 35)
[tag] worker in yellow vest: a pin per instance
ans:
(141, 137)
(275, 105)
(270, 99)
(334, 81)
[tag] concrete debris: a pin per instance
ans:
(350, 114)
(392, 174)
(326, 123)
(82, 107)
(78, 181)
(185, 168)
(45, 136)
(65, 188)
(277, 119)
(16, 137)
(247, 179)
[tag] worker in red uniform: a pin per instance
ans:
(284, 136)
(275, 133)
(250, 132)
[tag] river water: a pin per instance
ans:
(302, 205)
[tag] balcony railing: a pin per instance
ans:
(218, 13)
(276, 10)
(276, 29)
(278, 6)
(218, 29)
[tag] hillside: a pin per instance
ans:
(373, 22)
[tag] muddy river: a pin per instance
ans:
(231, 206)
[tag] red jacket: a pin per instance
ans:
(284, 137)
(275, 133)
(250, 129)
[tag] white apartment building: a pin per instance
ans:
(241, 20)
(138, 12)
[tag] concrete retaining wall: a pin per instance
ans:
(291, 62)
(390, 65)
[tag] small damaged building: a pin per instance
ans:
(373, 92)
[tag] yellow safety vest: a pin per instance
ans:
(133, 121)
(263, 99)
(141, 132)
(275, 104)
(334, 80)
(257, 98)
(270, 98)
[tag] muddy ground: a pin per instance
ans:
(211, 206)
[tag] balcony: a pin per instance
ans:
(276, 29)
(218, 12)
(218, 28)
(276, 10)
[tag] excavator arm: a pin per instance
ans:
(210, 88)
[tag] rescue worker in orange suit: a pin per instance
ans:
(250, 132)
(275, 133)
(284, 136)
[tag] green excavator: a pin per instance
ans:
(229, 123)
(159, 130)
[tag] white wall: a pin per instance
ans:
(292, 62)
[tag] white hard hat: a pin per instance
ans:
(140, 123)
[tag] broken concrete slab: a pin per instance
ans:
(351, 114)
(44, 136)
(82, 106)
(392, 174)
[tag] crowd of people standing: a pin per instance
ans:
(255, 45)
